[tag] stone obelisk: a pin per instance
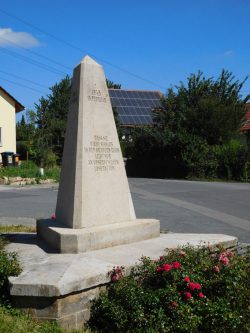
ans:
(94, 206)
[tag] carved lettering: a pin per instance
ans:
(102, 154)
(97, 95)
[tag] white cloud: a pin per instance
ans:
(8, 37)
(228, 53)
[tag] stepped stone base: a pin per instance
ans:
(67, 240)
(60, 287)
(69, 311)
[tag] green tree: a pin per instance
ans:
(211, 109)
(112, 85)
(51, 118)
(25, 131)
(57, 114)
(193, 132)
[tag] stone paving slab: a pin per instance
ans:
(48, 274)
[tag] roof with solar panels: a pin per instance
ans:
(134, 107)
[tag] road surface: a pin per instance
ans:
(181, 206)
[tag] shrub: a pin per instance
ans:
(30, 170)
(232, 159)
(157, 155)
(9, 266)
(166, 154)
(184, 291)
(52, 173)
(200, 158)
(25, 170)
(50, 159)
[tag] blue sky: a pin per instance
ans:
(161, 41)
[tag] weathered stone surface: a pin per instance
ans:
(46, 181)
(66, 240)
(4, 181)
(93, 189)
(48, 274)
(29, 181)
(15, 179)
(70, 311)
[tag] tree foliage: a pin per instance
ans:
(51, 115)
(205, 107)
(112, 85)
(46, 125)
(193, 132)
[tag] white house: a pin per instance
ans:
(9, 106)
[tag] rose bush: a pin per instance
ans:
(184, 291)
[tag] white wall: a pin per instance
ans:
(7, 123)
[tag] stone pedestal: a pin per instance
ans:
(66, 240)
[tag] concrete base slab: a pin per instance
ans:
(68, 240)
(60, 287)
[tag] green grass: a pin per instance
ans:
(16, 228)
(3, 242)
(13, 321)
(30, 170)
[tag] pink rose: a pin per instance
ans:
(188, 295)
(53, 216)
(159, 269)
(198, 286)
(166, 267)
(223, 258)
(230, 254)
(194, 286)
(225, 261)
(186, 279)
(176, 264)
(114, 278)
(201, 295)
(216, 269)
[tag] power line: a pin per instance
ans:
(36, 53)
(32, 61)
(22, 85)
(21, 78)
(80, 49)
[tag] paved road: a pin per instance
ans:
(182, 206)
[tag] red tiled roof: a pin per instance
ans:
(246, 121)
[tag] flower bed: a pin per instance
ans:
(185, 291)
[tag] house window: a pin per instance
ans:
(1, 136)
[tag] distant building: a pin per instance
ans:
(246, 122)
(9, 106)
(246, 126)
(134, 107)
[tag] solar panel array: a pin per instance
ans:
(134, 107)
